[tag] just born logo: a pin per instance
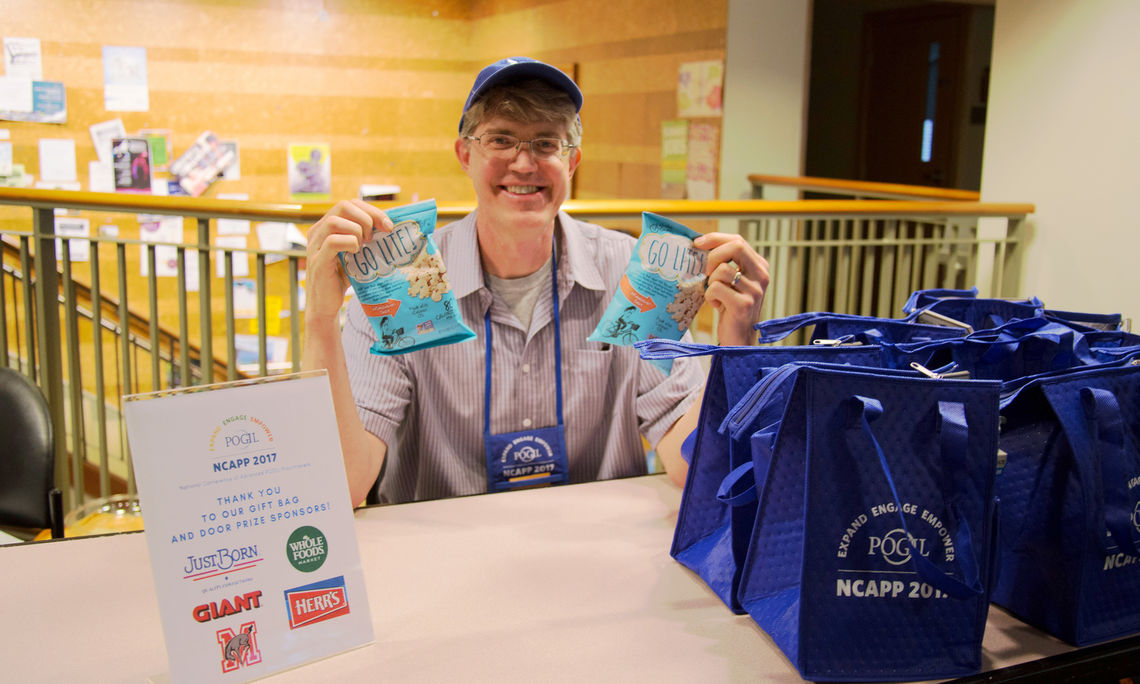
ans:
(239, 649)
(240, 442)
(890, 548)
(316, 602)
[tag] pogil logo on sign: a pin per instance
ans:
(239, 649)
(316, 602)
(241, 441)
(867, 539)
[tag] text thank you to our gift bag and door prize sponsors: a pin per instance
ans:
(249, 526)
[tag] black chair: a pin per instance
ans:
(28, 498)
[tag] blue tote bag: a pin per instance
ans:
(871, 553)
(1070, 491)
(854, 329)
(712, 533)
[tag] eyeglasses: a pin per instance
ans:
(506, 146)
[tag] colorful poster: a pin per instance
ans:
(48, 104)
(700, 183)
(124, 79)
(674, 157)
(160, 149)
(202, 164)
(310, 172)
(699, 89)
(249, 526)
(130, 163)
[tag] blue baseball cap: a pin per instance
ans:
(520, 67)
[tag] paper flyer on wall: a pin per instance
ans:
(46, 103)
(202, 163)
(124, 79)
(310, 172)
(249, 526)
(674, 158)
(700, 89)
(130, 162)
(23, 57)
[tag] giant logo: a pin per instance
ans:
(316, 602)
(239, 649)
(219, 609)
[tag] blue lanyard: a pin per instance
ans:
(557, 352)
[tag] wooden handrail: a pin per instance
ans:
(199, 207)
(867, 188)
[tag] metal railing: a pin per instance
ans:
(88, 339)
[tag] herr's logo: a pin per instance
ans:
(219, 609)
(307, 548)
(239, 649)
(316, 602)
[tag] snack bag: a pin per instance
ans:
(402, 285)
(662, 289)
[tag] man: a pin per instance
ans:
(451, 414)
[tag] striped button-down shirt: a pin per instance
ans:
(427, 406)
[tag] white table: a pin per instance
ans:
(570, 584)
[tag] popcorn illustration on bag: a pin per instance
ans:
(401, 282)
(662, 289)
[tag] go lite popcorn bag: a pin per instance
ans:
(401, 282)
(662, 288)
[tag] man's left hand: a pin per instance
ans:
(737, 280)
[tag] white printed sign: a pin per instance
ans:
(249, 526)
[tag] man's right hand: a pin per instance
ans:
(346, 227)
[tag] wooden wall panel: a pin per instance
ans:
(381, 81)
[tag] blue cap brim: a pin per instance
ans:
(514, 68)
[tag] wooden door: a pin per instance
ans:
(913, 80)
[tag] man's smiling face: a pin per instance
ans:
(518, 191)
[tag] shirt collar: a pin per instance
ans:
(576, 262)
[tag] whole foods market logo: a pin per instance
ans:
(307, 548)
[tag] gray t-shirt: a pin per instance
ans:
(521, 294)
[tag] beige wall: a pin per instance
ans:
(382, 82)
(1061, 132)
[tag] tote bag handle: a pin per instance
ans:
(953, 439)
(1106, 423)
